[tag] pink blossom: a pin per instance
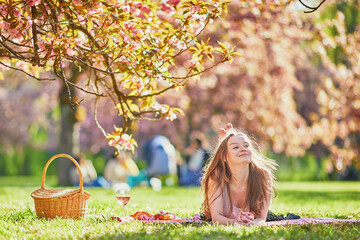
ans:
(132, 27)
(82, 19)
(181, 45)
(140, 86)
(15, 33)
(124, 59)
(173, 40)
(172, 3)
(78, 2)
(5, 26)
(194, 9)
(125, 9)
(41, 45)
(124, 138)
(194, 62)
(140, 10)
(70, 51)
(96, 9)
(168, 9)
(32, 3)
(128, 146)
(80, 39)
(4, 10)
(16, 12)
(148, 72)
(92, 12)
(112, 143)
(145, 9)
(137, 4)
(29, 24)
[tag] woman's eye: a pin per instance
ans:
(246, 146)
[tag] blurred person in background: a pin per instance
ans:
(160, 156)
(120, 168)
(190, 174)
(90, 178)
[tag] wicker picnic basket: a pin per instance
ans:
(65, 203)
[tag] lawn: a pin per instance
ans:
(308, 199)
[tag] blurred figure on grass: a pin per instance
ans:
(160, 156)
(196, 156)
(90, 178)
(120, 168)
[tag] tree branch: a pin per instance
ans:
(18, 69)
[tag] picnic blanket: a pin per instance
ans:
(165, 217)
(161, 217)
(311, 221)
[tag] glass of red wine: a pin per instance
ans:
(123, 195)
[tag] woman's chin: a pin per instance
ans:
(245, 159)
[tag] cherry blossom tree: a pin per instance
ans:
(336, 43)
(128, 49)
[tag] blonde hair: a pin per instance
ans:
(260, 182)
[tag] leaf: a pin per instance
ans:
(210, 56)
(133, 107)
(236, 54)
(148, 103)
(222, 45)
(110, 42)
(193, 50)
(178, 110)
(90, 25)
(220, 50)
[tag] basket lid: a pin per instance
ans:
(57, 193)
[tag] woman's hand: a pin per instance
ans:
(245, 218)
(224, 131)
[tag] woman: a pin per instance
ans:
(238, 181)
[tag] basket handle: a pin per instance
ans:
(65, 156)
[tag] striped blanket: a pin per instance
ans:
(311, 220)
(162, 217)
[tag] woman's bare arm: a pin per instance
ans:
(260, 220)
(216, 205)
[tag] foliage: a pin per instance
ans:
(338, 200)
(256, 92)
(128, 49)
(295, 90)
(337, 124)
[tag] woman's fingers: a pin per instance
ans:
(246, 216)
(228, 126)
(222, 132)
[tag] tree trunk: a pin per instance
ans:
(69, 136)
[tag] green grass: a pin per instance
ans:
(320, 199)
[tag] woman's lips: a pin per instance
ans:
(244, 154)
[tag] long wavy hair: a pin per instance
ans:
(260, 181)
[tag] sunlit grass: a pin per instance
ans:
(330, 199)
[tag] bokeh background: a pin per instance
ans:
(295, 89)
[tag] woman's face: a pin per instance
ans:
(238, 150)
